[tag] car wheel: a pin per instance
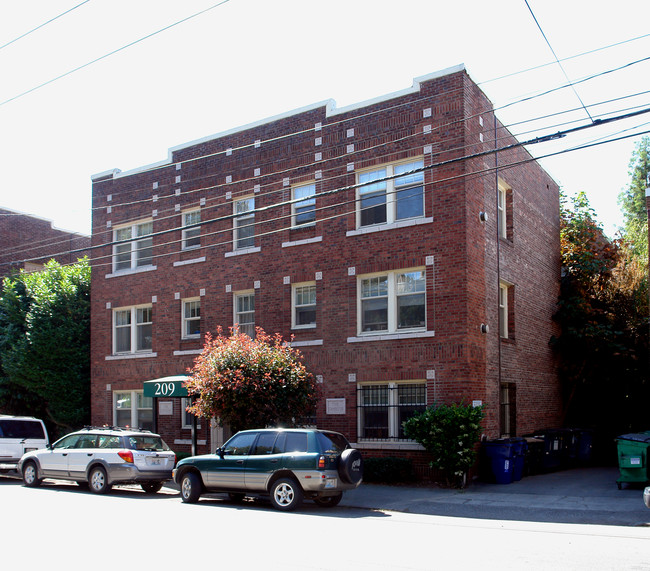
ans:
(237, 498)
(190, 488)
(329, 501)
(286, 494)
(97, 481)
(151, 487)
(30, 475)
(351, 466)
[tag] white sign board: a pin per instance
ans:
(335, 406)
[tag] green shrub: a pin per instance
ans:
(449, 433)
(388, 470)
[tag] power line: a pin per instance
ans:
(44, 24)
(70, 72)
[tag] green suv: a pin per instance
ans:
(286, 465)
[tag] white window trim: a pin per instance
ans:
(502, 208)
(250, 214)
(184, 245)
(294, 287)
(185, 402)
(504, 289)
(295, 205)
(184, 319)
(391, 203)
(135, 421)
(133, 330)
(393, 408)
(134, 267)
(392, 331)
(236, 296)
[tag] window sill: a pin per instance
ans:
(313, 240)
(243, 251)
(391, 226)
(380, 445)
(131, 356)
(391, 336)
(312, 343)
(188, 352)
(192, 261)
(188, 441)
(131, 271)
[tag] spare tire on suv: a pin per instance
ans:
(351, 466)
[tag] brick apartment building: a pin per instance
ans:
(381, 236)
(28, 242)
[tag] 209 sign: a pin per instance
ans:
(166, 387)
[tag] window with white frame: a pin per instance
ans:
(506, 314)
(304, 212)
(132, 409)
(191, 318)
(132, 329)
(186, 417)
(504, 210)
(191, 232)
(386, 197)
(392, 302)
(303, 305)
(245, 313)
(383, 407)
(133, 247)
(244, 223)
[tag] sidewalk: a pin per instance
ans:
(580, 495)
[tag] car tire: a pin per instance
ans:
(98, 481)
(329, 501)
(30, 475)
(151, 487)
(286, 494)
(190, 488)
(351, 466)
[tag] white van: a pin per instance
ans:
(19, 434)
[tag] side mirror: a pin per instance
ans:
(219, 452)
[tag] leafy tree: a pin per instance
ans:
(251, 383)
(633, 202)
(450, 434)
(45, 344)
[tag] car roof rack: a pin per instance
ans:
(116, 428)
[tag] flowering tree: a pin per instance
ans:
(251, 383)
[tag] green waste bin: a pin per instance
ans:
(632, 450)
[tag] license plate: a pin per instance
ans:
(154, 461)
(331, 483)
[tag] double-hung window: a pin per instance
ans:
(304, 306)
(245, 313)
(504, 210)
(304, 211)
(506, 310)
(132, 329)
(244, 224)
(383, 407)
(133, 246)
(133, 409)
(191, 318)
(392, 302)
(191, 232)
(390, 194)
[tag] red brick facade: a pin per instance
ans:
(28, 242)
(441, 251)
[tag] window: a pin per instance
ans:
(506, 313)
(132, 329)
(186, 417)
(245, 313)
(133, 409)
(244, 224)
(508, 416)
(191, 319)
(382, 408)
(504, 207)
(304, 306)
(304, 212)
(392, 302)
(134, 246)
(386, 201)
(191, 236)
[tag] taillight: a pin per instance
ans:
(126, 455)
(321, 462)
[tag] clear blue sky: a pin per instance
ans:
(247, 60)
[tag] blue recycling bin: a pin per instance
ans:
(519, 447)
(498, 460)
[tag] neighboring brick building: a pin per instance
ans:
(28, 242)
(408, 269)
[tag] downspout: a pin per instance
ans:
(498, 239)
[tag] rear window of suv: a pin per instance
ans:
(21, 429)
(331, 442)
(151, 443)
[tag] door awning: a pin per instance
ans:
(166, 387)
